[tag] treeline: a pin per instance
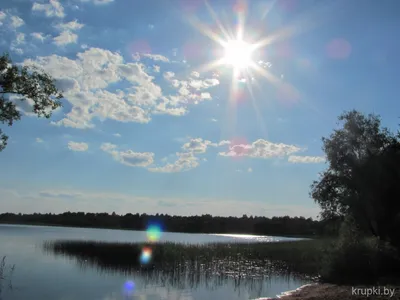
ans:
(289, 226)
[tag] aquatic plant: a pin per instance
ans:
(6, 273)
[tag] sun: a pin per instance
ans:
(238, 54)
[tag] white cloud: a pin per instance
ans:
(117, 134)
(129, 158)
(168, 106)
(155, 57)
(184, 91)
(70, 26)
(108, 147)
(113, 106)
(190, 92)
(306, 159)
(16, 22)
(261, 149)
(26, 105)
(185, 161)
(38, 36)
(169, 75)
(214, 120)
(265, 64)
(156, 69)
(205, 96)
(75, 146)
(84, 81)
(12, 21)
(249, 170)
(136, 56)
(3, 16)
(195, 74)
(52, 9)
(199, 84)
(65, 38)
(224, 142)
(67, 85)
(197, 145)
(39, 140)
(23, 106)
(19, 40)
(18, 51)
(94, 70)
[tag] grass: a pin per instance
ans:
(248, 259)
(6, 273)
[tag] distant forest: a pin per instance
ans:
(287, 226)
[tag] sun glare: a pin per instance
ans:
(238, 54)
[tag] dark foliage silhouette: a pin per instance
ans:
(296, 226)
(362, 180)
(19, 85)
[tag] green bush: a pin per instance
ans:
(357, 259)
(353, 259)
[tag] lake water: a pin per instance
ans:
(40, 275)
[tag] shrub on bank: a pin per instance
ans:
(357, 259)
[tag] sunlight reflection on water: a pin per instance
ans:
(257, 238)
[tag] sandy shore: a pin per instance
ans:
(334, 292)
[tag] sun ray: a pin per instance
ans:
(268, 9)
(307, 21)
(206, 31)
(255, 106)
(210, 66)
(268, 75)
(238, 49)
(228, 126)
(215, 18)
(241, 19)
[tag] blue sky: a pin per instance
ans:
(148, 124)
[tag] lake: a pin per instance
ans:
(40, 275)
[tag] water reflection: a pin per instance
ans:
(180, 279)
(156, 285)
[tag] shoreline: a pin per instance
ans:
(302, 237)
(327, 291)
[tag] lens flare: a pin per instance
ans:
(154, 232)
(145, 257)
(338, 49)
(129, 287)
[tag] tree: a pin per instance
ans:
(363, 174)
(20, 83)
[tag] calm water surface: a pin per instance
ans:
(43, 276)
